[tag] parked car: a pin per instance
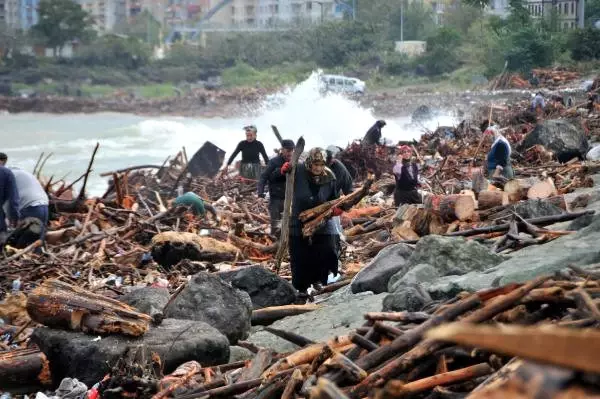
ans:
(341, 84)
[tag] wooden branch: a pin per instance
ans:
(266, 316)
(413, 317)
(294, 338)
(551, 344)
(287, 205)
(87, 173)
(399, 389)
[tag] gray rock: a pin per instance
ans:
(453, 255)
(582, 222)
(322, 324)
(409, 298)
(264, 287)
(559, 136)
(82, 356)
(237, 354)
(388, 262)
(209, 299)
(149, 300)
(579, 249)
(420, 273)
(535, 208)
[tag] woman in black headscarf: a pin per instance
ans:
(312, 258)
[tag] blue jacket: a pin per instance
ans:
(8, 192)
(499, 155)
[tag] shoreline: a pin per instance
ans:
(227, 103)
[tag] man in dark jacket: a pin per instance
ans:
(373, 135)
(251, 150)
(8, 193)
(342, 176)
(276, 180)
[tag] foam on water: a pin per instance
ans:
(127, 140)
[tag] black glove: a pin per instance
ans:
(261, 195)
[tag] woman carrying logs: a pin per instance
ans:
(406, 173)
(312, 258)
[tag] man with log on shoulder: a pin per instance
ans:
(275, 175)
(312, 258)
(251, 150)
(406, 173)
(498, 159)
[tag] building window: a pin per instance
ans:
(566, 27)
(573, 7)
(309, 5)
(566, 5)
(572, 25)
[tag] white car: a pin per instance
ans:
(341, 84)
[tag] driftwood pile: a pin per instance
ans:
(461, 348)
(551, 78)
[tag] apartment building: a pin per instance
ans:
(28, 13)
(569, 14)
(107, 13)
(270, 12)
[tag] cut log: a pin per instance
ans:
(420, 220)
(24, 368)
(57, 304)
(170, 247)
(543, 189)
(517, 188)
(490, 199)
(456, 207)
(479, 182)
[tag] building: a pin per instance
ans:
(499, 8)
(297, 12)
(107, 13)
(28, 13)
(569, 14)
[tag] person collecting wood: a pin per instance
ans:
(196, 203)
(312, 258)
(406, 173)
(498, 159)
(251, 150)
(274, 175)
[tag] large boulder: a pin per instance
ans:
(264, 287)
(418, 274)
(149, 300)
(388, 262)
(78, 355)
(410, 298)
(578, 249)
(209, 299)
(453, 255)
(564, 139)
(322, 324)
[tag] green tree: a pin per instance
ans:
(417, 21)
(442, 54)
(585, 44)
(528, 48)
(115, 51)
(61, 21)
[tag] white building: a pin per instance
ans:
(107, 13)
(570, 14)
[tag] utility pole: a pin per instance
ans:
(401, 20)
(354, 10)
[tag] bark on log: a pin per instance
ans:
(57, 304)
(24, 368)
(271, 314)
(257, 366)
(543, 189)
(490, 199)
(420, 220)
